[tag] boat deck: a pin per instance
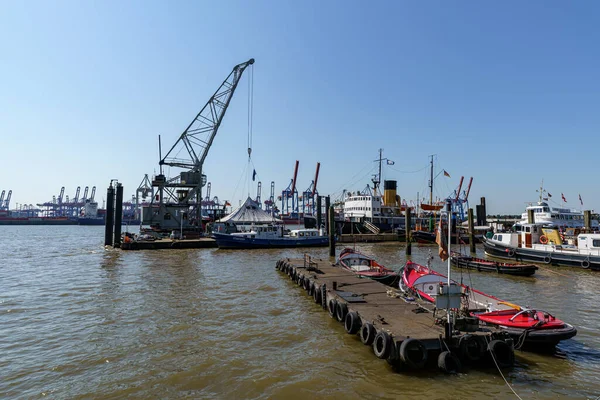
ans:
(201, 243)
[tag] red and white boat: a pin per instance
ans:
(526, 326)
(366, 267)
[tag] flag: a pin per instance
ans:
(549, 195)
(254, 175)
(581, 201)
(563, 197)
(545, 198)
(446, 174)
(227, 204)
(440, 239)
(390, 162)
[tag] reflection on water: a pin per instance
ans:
(79, 321)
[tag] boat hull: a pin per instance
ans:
(375, 271)
(226, 241)
(466, 262)
(565, 259)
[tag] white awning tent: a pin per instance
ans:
(249, 212)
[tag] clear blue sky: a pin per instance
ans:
(505, 92)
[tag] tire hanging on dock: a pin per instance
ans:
(382, 344)
(449, 363)
(367, 333)
(502, 353)
(340, 311)
(352, 322)
(331, 307)
(470, 348)
(413, 353)
(317, 294)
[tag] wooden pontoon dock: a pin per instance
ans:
(403, 330)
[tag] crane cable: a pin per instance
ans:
(250, 121)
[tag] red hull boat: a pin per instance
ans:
(366, 267)
(526, 326)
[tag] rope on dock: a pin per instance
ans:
(499, 370)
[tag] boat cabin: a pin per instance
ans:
(302, 233)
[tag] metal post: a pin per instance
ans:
(327, 204)
(471, 232)
(319, 213)
(407, 228)
(449, 313)
(110, 210)
(118, 215)
(587, 220)
(331, 232)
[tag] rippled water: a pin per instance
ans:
(79, 321)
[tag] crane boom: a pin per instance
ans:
(200, 133)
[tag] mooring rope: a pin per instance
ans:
(499, 370)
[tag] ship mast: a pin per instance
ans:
(431, 181)
(377, 178)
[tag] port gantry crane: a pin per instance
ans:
(180, 198)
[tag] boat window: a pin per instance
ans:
(314, 234)
(596, 243)
(301, 234)
(500, 237)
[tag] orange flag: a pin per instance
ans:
(440, 239)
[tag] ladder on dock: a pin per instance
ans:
(372, 228)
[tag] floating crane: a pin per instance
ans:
(180, 197)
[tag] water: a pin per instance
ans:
(78, 321)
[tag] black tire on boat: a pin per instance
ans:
(585, 264)
(470, 348)
(340, 311)
(547, 260)
(352, 322)
(331, 307)
(502, 353)
(511, 253)
(449, 363)
(413, 353)
(382, 344)
(317, 294)
(367, 333)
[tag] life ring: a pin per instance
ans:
(352, 322)
(470, 348)
(448, 362)
(511, 253)
(382, 344)
(585, 264)
(502, 353)
(367, 333)
(340, 311)
(543, 239)
(413, 353)
(316, 294)
(331, 307)
(547, 260)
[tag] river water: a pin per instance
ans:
(78, 321)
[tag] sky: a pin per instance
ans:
(504, 92)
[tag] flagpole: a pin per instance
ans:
(449, 316)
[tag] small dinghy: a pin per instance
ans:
(464, 261)
(365, 266)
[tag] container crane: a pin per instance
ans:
(270, 203)
(258, 190)
(7, 201)
(2, 198)
(290, 193)
(183, 193)
(85, 193)
(308, 196)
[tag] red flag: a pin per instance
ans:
(581, 201)
(446, 174)
(563, 197)
(440, 239)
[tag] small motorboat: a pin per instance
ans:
(527, 326)
(464, 261)
(365, 266)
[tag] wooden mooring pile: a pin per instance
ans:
(402, 330)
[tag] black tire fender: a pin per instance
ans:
(413, 353)
(502, 353)
(317, 294)
(470, 349)
(331, 307)
(449, 363)
(382, 344)
(352, 322)
(367, 333)
(340, 311)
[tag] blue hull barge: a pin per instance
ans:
(251, 240)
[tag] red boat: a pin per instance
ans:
(526, 326)
(366, 267)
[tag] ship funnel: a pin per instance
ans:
(389, 193)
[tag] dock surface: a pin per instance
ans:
(201, 243)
